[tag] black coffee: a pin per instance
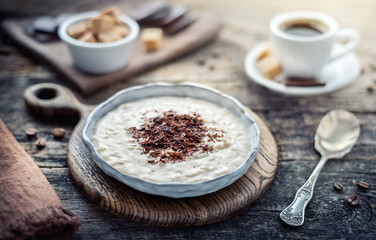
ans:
(304, 28)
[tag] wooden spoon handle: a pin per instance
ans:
(52, 100)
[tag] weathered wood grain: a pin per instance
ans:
(51, 101)
(292, 121)
(57, 57)
(327, 216)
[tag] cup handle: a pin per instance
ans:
(348, 35)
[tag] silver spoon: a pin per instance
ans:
(335, 136)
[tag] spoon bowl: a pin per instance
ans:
(336, 134)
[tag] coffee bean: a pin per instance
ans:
(58, 133)
(215, 54)
(353, 200)
(370, 88)
(338, 186)
(201, 61)
(41, 143)
(373, 66)
(31, 132)
(362, 70)
(363, 184)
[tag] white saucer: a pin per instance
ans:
(337, 74)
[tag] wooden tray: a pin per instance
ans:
(57, 57)
(50, 100)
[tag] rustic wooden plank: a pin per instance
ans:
(238, 85)
(327, 207)
(154, 210)
(267, 206)
(292, 121)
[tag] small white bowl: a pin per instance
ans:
(99, 58)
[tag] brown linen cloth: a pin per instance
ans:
(29, 206)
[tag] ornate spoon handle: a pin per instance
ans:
(294, 213)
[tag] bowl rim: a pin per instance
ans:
(95, 155)
(62, 31)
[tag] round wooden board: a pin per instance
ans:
(131, 204)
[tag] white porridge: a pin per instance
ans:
(172, 139)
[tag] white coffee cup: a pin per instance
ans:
(301, 50)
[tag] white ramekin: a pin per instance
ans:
(99, 58)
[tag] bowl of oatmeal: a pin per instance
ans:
(173, 140)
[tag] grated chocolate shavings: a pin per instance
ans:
(171, 137)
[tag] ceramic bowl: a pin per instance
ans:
(174, 190)
(99, 58)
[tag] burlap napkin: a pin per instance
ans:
(29, 206)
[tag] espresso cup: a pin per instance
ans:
(303, 42)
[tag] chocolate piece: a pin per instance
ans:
(40, 36)
(44, 29)
(302, 82)
(157, 16)
(173, 137)
(174, 14)
(183, 22)
(149, 11)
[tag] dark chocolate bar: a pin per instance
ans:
(175, 13)
(44, 29)
(150, 12)
(42, 37)
(178, 25)
(302, 82)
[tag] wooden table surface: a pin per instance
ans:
(293, 122)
